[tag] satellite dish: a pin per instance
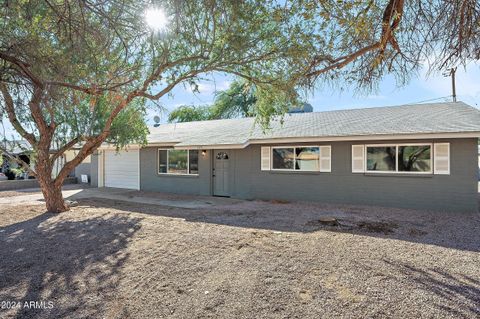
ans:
(156, 119)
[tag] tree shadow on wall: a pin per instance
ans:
(71, 263)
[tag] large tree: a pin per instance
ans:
(78, 72)
(360, 41)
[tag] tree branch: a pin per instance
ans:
(10, 108)
(65, 148)
(23, 67)
(391, 20)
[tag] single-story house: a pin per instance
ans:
(421, 156)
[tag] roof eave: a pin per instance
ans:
(375, 137)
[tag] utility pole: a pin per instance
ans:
(451, 73)
(454, 93)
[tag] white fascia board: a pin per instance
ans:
(378, 137)
(211, 147)
(419, 136)
(113, 147)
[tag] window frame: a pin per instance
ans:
(396, 171)
(295, 159)
(168, 157)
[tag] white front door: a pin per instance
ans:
(122, 169)
(221, 160)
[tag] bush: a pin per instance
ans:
(10, 175)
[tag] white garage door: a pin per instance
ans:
(122, 169)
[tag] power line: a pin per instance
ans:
(430, 100)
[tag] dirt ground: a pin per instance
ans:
(115, 259)
(27, 191)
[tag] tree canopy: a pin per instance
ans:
(236, 101)
(79, 72)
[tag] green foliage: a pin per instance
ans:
(96, 60)
(90, 58)
(236, 101)
(190, 113)
(17, 171)
(241, 99)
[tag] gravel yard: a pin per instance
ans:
(116, 259)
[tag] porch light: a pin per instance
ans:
(204, 152)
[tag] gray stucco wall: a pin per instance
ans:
(82, 169)
(454, 192)
(150, 180)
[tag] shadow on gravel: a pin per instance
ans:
(457, 231)
(67, 262)
(461, 288)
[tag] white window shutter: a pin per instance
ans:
(325, 158)
(265, 165)
(441, 158)
(358, 158)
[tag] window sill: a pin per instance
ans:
(424, 175)
(177, 175)
(296, 172)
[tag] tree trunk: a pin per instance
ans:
(52, 192)
(54, 198)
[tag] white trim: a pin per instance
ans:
(128, 147)
(139, 170)
(378, 137)
(437, 157)
(267, 150)
(362, 158)
(212, 147)
(310, 139)
(175, 174)
(396, 171)
(295, 159)
(101, 169)
(329, 158)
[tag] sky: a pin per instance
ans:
(419, 89)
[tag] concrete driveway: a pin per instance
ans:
(34, 196)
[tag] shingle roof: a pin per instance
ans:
(405, 119)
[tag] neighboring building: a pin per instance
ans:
(82, 169)
(420, 156)
(22, 150)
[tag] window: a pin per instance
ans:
(300, 158)
(414, 158)
(381, 158)
(178, 162)
(193, 162)
(283, 158)
(307, 158)
(401, 158)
